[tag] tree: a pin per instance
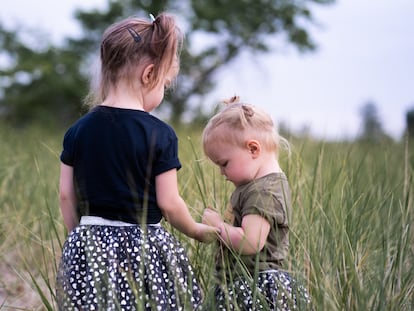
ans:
(39, 82)
(409, 117)
(217, 32)
(372, 130)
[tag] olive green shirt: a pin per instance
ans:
(269, 197)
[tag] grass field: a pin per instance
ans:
(351, 242)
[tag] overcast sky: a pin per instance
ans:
(365, 53)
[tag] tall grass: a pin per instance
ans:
(30, 226)
(352, 234)
(351, 242)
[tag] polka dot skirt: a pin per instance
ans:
(125, 268)
(274, 290)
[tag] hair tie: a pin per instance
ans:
(152, 18)
(232, 100)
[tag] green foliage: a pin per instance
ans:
(351, 241)
(40, 84)
(49, 82)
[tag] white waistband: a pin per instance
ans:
(99, 221)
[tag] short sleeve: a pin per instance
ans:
(67, 155)
(167, 157)
(265, 204)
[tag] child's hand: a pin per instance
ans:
(206, 233)
(212, 218)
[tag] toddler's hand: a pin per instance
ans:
(212, 218)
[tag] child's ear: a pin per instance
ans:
(146, 74)
(254, 147)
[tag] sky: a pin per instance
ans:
(365, 54)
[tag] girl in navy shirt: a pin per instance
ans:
(119, 179)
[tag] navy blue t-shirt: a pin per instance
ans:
(116, 155)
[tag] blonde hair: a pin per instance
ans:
(135, 42)
(239, 122)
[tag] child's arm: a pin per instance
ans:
(175, 210)
(248, 239)
(67, 197)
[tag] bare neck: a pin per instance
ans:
(269, 165)
(123, 97)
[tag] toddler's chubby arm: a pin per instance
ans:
(248, 239)
(175, 210)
